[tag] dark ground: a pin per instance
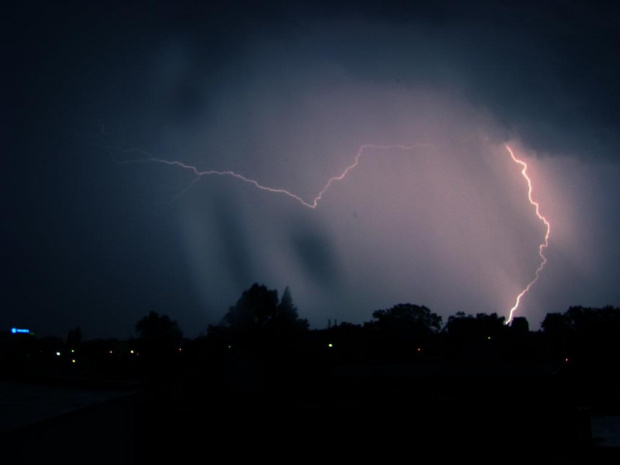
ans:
(378, 414)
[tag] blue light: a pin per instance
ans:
(17, 330)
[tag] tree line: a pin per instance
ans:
(262, 325)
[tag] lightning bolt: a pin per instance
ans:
(313, 204)
(542, 246)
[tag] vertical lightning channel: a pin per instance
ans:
(314, 203)
(542, 246)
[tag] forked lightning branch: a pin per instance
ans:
(314, 202)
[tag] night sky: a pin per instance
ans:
(285, 93)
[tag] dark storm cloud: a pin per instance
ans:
(548, 73)
(236, 253)
(315, 255)
(81, 235)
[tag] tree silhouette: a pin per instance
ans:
(259, 308)
(555, 324)
(482, 326)
(480, 337)
(414, 320)
(255, 309)
(261, 338)
(160, 328)
(399, 332)
(286, 315)
(591, 321)
(286, 310)
(158, 343)
(593, 332)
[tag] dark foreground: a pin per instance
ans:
(379, 414)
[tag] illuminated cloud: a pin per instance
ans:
(285, 94)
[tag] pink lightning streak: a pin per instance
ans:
(310, 204)
(542, 246)
(315, 201)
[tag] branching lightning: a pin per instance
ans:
(542, 246)
(314, 203)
